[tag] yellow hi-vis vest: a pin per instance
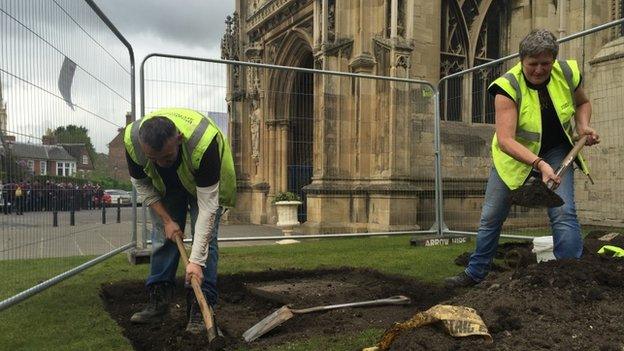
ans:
(198, 132)
(564, 78)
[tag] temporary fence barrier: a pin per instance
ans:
(66, 87)
(467, 126)
(343, 143)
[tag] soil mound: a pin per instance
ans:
(555, 305)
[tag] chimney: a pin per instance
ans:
(128, 118)
(48, 140)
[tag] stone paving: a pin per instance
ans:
(33, 235)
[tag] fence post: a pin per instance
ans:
(103, 213)
(118, 210)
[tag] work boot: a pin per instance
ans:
(462, 280)
(158, 305)
(194, 316)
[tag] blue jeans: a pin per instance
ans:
(165, 255)
(566, 229)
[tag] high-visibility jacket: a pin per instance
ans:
(198, 132)
(564, 79)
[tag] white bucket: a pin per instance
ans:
(543, 248)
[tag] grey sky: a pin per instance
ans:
(38, 35)
(185, 26)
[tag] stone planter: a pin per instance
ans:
(287, 215)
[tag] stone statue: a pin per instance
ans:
(254, 120)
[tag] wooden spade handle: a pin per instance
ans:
(393, 300)
(206, 310)
(567, 160)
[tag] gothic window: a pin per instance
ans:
(470, 36)
(454, 44)
(488, 48)
(401, 18)
(331, 21)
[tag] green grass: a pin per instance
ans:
(70, 315)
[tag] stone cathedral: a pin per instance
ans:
(360, 152)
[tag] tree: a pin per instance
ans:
(72, 134)
(10, 169)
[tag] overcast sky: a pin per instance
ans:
(38, 35)
(189, 27)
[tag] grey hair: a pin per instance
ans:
(537, 42)
(156, 131)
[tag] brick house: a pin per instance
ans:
(117, 154)
(84, 163)
(42, 159)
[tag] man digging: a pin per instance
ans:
(179, 160)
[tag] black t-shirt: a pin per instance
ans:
(553, 134)
(207, 174)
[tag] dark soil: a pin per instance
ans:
(239, 309)
(556, 305)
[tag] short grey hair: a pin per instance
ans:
(156, 131)
(537, 42)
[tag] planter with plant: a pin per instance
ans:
(286, 204)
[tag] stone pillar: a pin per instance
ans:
(271, 157)
(283, 137)
(394, 18)
(324, 21)
(317, 24)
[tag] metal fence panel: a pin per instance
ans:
(467, 128)
(65, 90)
(357, 150)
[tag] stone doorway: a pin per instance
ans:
(301, 133)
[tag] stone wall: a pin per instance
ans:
(602, 202)
(374, 140)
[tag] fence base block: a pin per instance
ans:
(139, 256)
(439, 240)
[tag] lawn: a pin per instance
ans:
(70, 315)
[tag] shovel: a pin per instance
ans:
(205, 308)
(285, 313)
(535, 193)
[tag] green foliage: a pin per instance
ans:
(72, 134)
(11, 170)
(286, 196)
(110, 183)
(101, 166)
(104, 182)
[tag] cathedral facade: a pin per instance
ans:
(360, 152)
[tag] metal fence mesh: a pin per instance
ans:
(357, 151)
(65, 90)
(467, 113)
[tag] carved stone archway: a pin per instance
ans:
(291, 128)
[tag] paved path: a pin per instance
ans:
(33, 235)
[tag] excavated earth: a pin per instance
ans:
(556, 305)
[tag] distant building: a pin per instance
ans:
(84, 163)
(117, 154)
(3, 113)
(42, 159)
